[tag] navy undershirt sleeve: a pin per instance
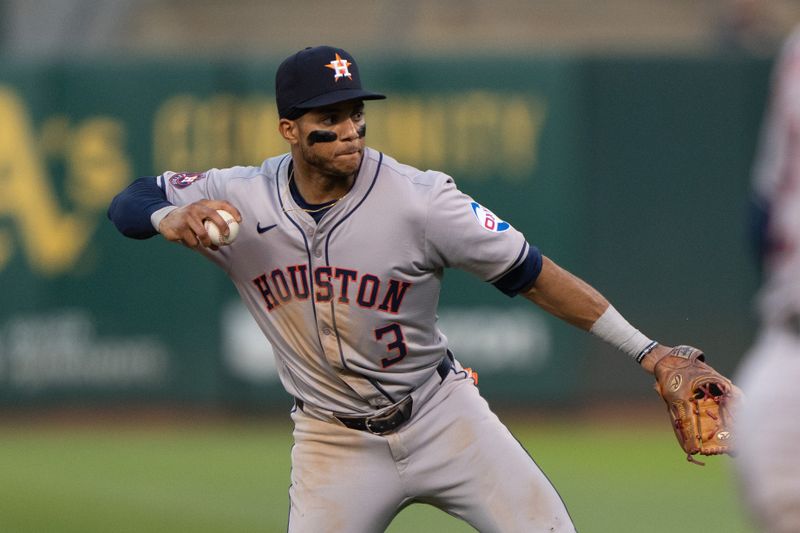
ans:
(523, 276)
(130, 210)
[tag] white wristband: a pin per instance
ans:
(158, 216)
(615, 330)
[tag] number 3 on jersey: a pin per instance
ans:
(396, 344)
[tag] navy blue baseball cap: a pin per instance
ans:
(316, 77)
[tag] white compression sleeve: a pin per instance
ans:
(614, 329)
(158, 216)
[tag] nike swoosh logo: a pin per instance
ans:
(265, 229)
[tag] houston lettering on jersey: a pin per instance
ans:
(343, 285)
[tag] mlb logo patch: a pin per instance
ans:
(183, 180)
(488, 220)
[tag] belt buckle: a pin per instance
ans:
(383, 418)
(369, 427)
(389, 419)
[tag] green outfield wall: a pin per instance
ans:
(631, 172)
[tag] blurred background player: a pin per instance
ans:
(769, 425)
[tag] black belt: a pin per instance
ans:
(382, 423)
(445, 365)
(393, 418)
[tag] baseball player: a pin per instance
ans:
(769, 425)
(339, 257)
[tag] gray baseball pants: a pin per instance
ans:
(453, 453)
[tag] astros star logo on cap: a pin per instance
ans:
(339, 66)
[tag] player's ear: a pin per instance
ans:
(289, 130)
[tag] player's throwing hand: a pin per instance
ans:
(185, 224)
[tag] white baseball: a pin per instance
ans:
(216, 236)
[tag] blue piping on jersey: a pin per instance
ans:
(308, 254)
(311, 279)
(514, 265)
(328, 263)
(371, 185)
(521, 277)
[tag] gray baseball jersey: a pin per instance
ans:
(349, 303)
(348, 297)
(347, 293)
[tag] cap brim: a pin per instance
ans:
(335, 97)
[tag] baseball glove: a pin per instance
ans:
(699, 401)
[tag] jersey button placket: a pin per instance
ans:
(330, 345)
(324, 312)
(319, 240)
